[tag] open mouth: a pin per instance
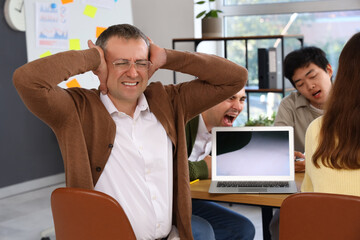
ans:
(317, 94)
(229, 119)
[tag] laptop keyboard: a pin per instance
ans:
(253, 184)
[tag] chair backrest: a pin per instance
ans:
(88, 214)
(320, 216)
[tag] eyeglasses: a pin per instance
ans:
(124, 65)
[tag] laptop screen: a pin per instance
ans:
(253, 153)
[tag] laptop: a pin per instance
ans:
(253, 160)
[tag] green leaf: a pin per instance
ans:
(200, 14)
(212, 13)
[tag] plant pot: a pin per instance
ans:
(211, 27)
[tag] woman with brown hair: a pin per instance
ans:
(332, 142)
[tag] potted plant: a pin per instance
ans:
(262, 121)
(211, 24)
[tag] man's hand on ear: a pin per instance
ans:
(102, 70)
(157, 57)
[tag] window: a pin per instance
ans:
(239, 2)
(326, 30)
(326, 24)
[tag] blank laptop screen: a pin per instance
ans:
(252, 153)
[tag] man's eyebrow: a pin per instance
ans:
(311, 70)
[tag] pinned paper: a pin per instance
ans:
(66, 1)
(90, 11)
(45, 54)
(52, 25)
(73, 83)
(99, 30)
(74, 44)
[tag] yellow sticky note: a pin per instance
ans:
(73, 83)
(90, 11)
(45, 54)
(99, 30)
(74, 44)
(66, 1)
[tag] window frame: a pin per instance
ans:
(287, 7)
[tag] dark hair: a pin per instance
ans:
(303, 57)
(126, 31)
(339, 145)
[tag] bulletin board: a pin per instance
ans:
(61, 25)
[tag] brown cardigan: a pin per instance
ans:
(85, 131)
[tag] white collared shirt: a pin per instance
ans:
(202, 145)
(138, 173)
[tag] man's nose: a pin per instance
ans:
(310, 85)
(132, 72)
(238, 106)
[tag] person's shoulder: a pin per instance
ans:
(294, 100)
(154, 87)
(315, 124)
(317, 121)
(292, 97)
(156, 92)
(289, 101)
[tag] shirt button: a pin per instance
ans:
(158, 225)
(98, 169)
(154, 197)
(110, 145)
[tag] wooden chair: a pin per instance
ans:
(88, 214)
(320, 216)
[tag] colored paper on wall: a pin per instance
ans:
(52, 25)
(66, 1)
(73, 83)
(74, 44)
(90, 11)
(45, 54)
(99, 30)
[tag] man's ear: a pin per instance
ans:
(329, 70)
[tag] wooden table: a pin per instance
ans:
(200, 190)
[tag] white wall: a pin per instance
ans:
(163, 20)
